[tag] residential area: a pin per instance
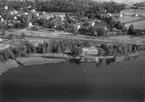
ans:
(72, 50)
(69, 32)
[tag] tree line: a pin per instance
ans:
(67, 5)
(24, 49)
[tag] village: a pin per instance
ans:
(40, 27)
(72, 50)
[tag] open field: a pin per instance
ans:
(138, 11)
(138, 22)
(138, 25)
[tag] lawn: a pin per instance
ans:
(138, 22)
(126, 19)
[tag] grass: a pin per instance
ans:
(138, 22)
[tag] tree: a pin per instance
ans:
(23, 35)
(3, 32)
(131, 30)
(119, 25)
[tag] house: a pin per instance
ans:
(6, 7)
(109, 14)
(136, 15)
(121, 15)
(30, 25)
(0, 39)
(93, 51)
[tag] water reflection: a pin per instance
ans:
(102, 62)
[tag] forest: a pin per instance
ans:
(66, 5)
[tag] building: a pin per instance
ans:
(93, 51)
(121, 15)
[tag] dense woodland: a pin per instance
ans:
(66, 5)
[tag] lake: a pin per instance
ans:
(69, 82)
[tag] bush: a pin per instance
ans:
(34, 28)
(131, 30)
(3, 32)
(23, 35)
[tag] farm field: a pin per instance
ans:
(139, 11)
(127, 19)
(138, 22)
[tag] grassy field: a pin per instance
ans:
(127, 19)
(138, 11)
(138, 25)
(138, 22)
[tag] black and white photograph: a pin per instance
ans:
(72, 50)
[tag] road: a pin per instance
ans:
(100, 40)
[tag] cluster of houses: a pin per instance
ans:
(11, 16)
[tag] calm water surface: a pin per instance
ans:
(65, 82)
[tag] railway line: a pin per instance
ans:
(99, 40)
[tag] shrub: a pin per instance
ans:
(34, 28)
(131, 30)
(3, 32)
(23, 35)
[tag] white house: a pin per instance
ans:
(78, 27)
(109, 14)
(26, 13)
(29, 6)
(15, 11)
(15, 17)
(37, 14)
(33, 10)
(105, 28)
(93, 23)
(43, 12)
(90, 51)
(0, 39)
(30, 25)
(6, 7)
(121, 15)
(2, 20)
(136, 15)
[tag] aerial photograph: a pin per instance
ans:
(72, 50)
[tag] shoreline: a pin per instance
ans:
(40, 59)
(27, 61)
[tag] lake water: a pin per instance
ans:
(68, 82)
